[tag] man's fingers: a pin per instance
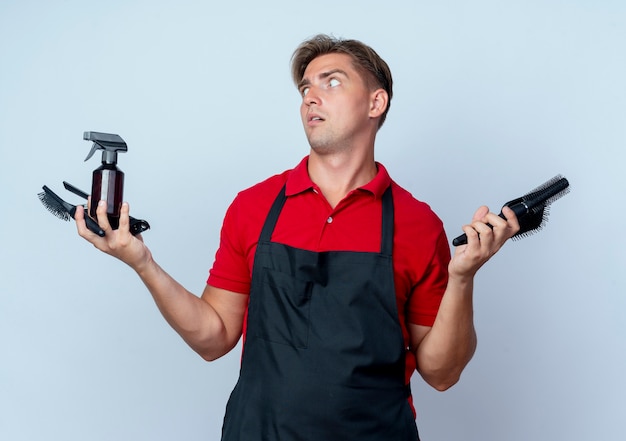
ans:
(124, 217)
(480, 214)
(511, 218)
(87, 227)
(101, 214)
(79, 217)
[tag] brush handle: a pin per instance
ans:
(91, 224)
(520, 209)
(138, 226)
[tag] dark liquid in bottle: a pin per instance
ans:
(108, 184)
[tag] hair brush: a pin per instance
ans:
(65, 210)
(531, 209)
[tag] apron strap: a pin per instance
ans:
(272, 217)
(386, 245)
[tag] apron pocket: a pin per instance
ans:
(283, 306)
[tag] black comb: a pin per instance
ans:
(531, 209)
(65, 210)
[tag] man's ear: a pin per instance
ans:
(378, 103)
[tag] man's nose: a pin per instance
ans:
(312, 96)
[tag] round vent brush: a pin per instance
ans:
(531, 209)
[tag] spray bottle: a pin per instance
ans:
(108, 180)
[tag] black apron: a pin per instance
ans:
(324, 356)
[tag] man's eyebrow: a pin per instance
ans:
(332, 72)
(303, 82)
(306, 81)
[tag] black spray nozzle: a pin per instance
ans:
(109, 143)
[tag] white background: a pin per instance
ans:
(492, 98)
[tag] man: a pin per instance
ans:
(339, 280)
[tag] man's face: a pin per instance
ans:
(336, 104)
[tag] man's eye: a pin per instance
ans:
(304, 91)
(334, 82)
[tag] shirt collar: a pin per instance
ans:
(299, 180)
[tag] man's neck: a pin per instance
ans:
(337, 174)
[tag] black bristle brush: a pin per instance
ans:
(65, 210)
(531, 209)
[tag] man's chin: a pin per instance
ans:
(323, 148)
(321, 144)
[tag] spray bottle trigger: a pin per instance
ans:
(93, 150)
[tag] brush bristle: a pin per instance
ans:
(538, 202)
(53, 206)
(530, 229)
(530, 222)
(546, 193)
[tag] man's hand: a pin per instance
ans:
(483, 240)
(119, 243)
